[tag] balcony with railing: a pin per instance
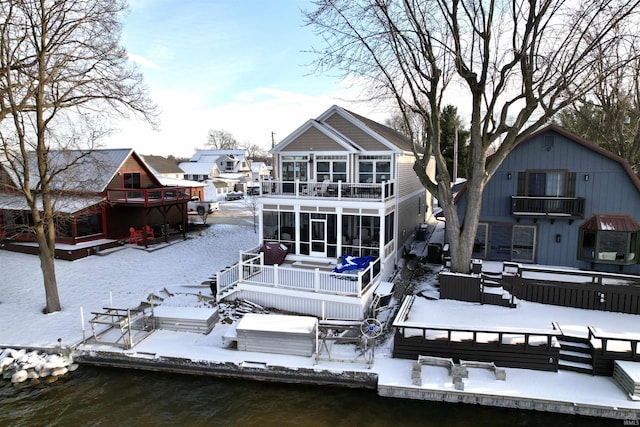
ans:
(148, 197)
(329, 190)
(252, 270)
(547, 207)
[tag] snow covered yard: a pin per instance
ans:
(120, 279)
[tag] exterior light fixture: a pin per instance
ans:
(509, 175)
(586, 177)
(558, 238)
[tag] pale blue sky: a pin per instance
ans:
(225, 64)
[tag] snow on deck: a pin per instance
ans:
(278, 323)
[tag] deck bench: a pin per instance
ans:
(499, 373)
(454, 370)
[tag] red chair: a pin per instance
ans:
(135, 236)
(150, 235)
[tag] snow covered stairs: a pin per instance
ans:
(575, 354)
(492, 292)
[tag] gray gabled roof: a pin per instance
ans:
(391, 135)
(162, 164)
(85, 171)
(388, 137)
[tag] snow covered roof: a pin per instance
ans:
(86, 171)
(197, 168)
(610, 222)
(173, 182)
(277, 323)
(214, 155)
(62, 204)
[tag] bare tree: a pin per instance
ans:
(251, 203)
(62, 73)
(220, 139)
(514, 63)
(254, 151)
(609, 115)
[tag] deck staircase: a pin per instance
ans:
(492, 292)
(575, 354)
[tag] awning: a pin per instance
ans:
(610, 222)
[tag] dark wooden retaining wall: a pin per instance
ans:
(581, 289)
(615, 298)
(539, 358)
(460, 287)
(604, 357)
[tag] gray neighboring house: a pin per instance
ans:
(164, 167)
(560, 200)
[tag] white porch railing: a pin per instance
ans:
(252, 270)
(334, 190)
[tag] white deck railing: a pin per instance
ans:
(252, 270)
(335, 190)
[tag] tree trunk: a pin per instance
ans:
(47, 257)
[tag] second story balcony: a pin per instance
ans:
(333, 190)
(146, 197)
(547, 207)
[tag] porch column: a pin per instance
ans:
(316, 280)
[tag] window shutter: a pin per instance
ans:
(522, 182)
(571, 185)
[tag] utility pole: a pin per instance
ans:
(273, 158)
(455, 154)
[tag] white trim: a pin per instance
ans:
(338, 138)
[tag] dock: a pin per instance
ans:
(205, 355)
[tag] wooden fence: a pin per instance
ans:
(579, 289)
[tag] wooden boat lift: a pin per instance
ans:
(121, 327)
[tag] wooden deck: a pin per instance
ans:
(506, 347)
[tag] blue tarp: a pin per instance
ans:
(352, 263)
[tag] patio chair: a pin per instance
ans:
(150, 233)
(135, 236)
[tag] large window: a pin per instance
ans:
(524, 242)
(360, 235)
(609, 239)
(88, 225)
(548, 183)
(374, 169)
(480, 243)
(279, 226)
(505, 242)
(331, 168)
(294, 168)
(131, 180)
(389, 227)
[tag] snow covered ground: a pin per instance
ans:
(120, 279)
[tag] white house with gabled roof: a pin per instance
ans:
(343, 185)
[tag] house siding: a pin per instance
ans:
(132, 165)
(408, 181)
(356, 135)
(409, 215)
(609, 189)
(312, 140)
